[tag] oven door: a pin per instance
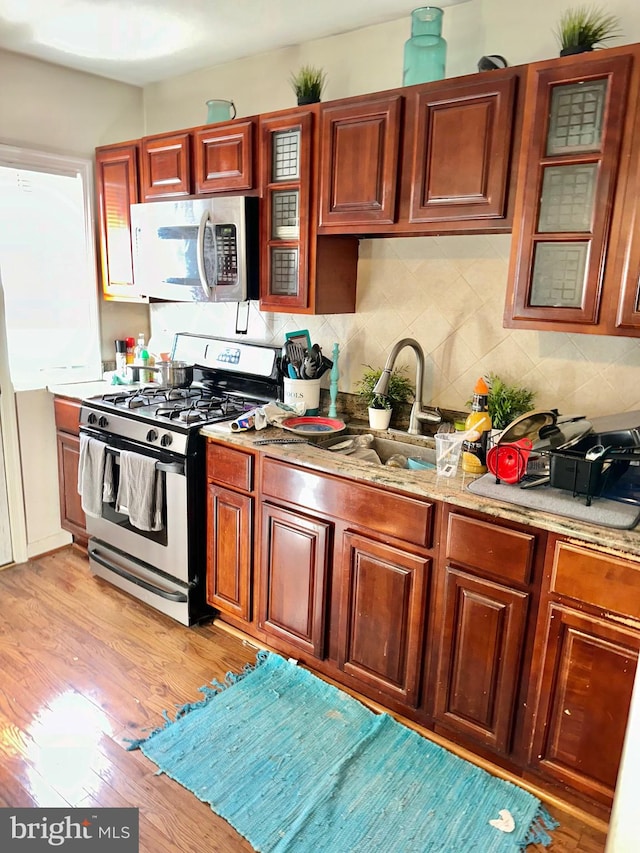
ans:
(165, 550)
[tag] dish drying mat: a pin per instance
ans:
(606, 513)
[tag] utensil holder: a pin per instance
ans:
(305, 391)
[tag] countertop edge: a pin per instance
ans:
(427, 485)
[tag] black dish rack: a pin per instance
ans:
(571, 471)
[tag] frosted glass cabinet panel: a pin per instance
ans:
(574, 113)
(286, 156)
(558, 274)
(576, 120)
(567, 202)
(285, 140)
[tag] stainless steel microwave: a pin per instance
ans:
(196, 250)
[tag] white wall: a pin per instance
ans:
(50, 108)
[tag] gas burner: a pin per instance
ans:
(191, 416)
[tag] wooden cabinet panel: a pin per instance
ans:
(568, 184)
(223, 155)
(72, 517)
(67, 414)
(230, 466)
(506, 554)
(166, 166)
(460, 141)
(67, 418)
(382, 616)
(359, 160)
(389, 514)
(229, 551)
(605, 581)
(117, 190)
(481, 626)
(295, 561)
(582, 700)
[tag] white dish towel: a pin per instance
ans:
(140, 493)
(95, 475)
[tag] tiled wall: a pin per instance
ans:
(448, 293)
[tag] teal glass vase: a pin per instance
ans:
(425, 53)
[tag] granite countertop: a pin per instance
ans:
(427, 484)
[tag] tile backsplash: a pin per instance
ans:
(448, 293)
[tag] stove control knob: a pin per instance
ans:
(152, 435)
(103, 422)
(92, 418)
(166, 439)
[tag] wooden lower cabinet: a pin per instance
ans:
(294, 570)
(230, 531)
(482, 630)
(383, 612)
(515, 643)
(582, 701)
(72, 517)
(229, 551)
(67, 419)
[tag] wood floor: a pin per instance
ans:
(84, 667)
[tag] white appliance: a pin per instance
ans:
(196, 250)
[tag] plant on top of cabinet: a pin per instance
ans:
(582, 28)
(308, 83)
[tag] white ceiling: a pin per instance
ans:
(143, 41)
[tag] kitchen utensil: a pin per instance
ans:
(296, 353)
(173, 374)
(417, 464)
(448, 447)
(262, 441)
(508, 461)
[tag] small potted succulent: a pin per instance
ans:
(380, 407)
(583, 28)
(308, 83)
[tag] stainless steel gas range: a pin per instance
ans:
(165, 566)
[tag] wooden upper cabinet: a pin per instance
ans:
(579, 113)
(223, 157)
(458, 150)
(166, 166)
(117, 190)
(300, 272)
(359, 160)
(428, 158)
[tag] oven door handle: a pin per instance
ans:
(171, 596)
(170, 467)
(165, 467)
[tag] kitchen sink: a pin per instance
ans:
(359, 446)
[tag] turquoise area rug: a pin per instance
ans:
(297, 766)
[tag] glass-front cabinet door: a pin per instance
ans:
(286, 181)
(573, 128)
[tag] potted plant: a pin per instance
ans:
(582, 28)
(507, 401)
(308, 83)
(380, 406)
